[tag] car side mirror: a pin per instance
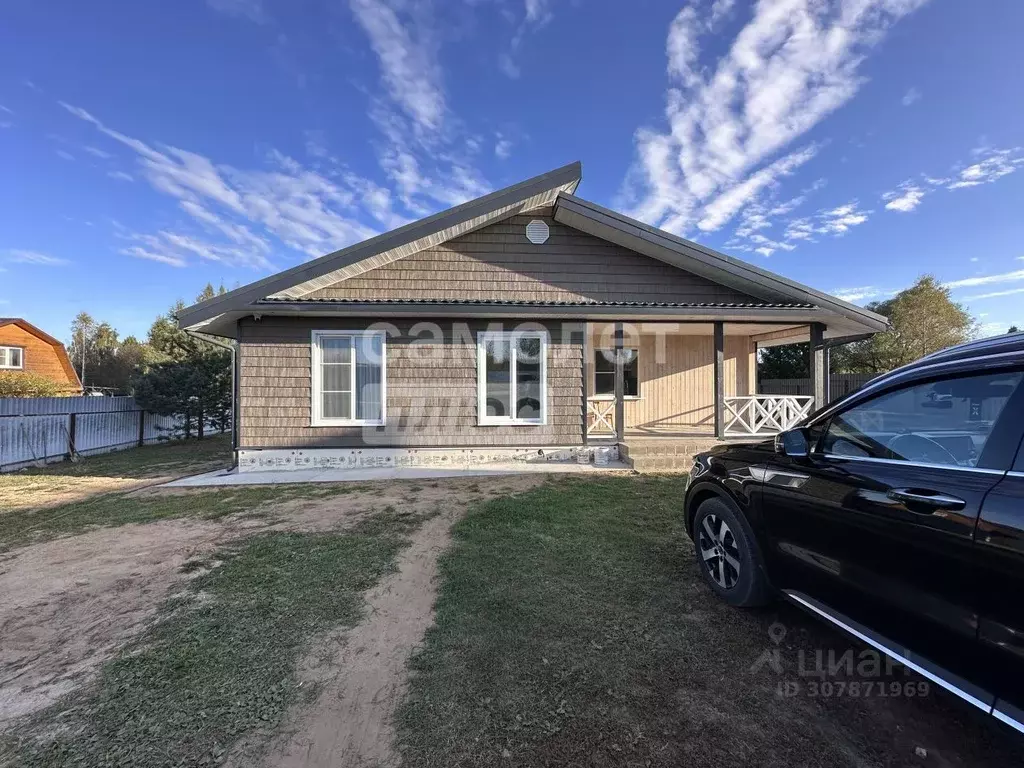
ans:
(795, 443)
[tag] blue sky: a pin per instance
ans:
(148, 148)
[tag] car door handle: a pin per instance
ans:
(926, 498)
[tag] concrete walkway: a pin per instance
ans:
(231, 477)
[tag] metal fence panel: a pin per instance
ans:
(840, 385)
(38, 438)
(25, 406)
(30, 439)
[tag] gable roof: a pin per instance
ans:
(286, 291)
(58, 346)
(538, 192)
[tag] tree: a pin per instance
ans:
(1013, 329)
(83, 328)
(192, 381)
(788, 361)
(924, 320)
(25, 384)
(110, 362)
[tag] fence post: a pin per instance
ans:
(72, 428)
(142, 428)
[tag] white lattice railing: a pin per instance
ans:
(765, 414)
(600, 418)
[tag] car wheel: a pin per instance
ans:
(728, 556)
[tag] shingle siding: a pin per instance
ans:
(498, 262)
(431, 387)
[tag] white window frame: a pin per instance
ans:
(316, 418)
(513, 338)
(21, 358)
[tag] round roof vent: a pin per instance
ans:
(537, 232)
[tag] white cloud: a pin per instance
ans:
(252, 10)
(857, 294)
(1005, 277)
(406, 52)
(996, 294)
(910, 97)
(305, 210)
(97, 152)
(64, 154)
(790, 66)
(502, 147)
(905, 198)
(6, 109)
(35, 257)
(162, 258)
(993, 165)
(508, 66)
(838, 221)
(6, 124)
(537, 11)
(120, 175)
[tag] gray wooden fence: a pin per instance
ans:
(40, 430)
(840, 385)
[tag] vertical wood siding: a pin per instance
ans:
(677, 391)
(497, 262)
(431, 387)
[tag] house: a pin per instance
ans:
(23, 347)
(489, 332)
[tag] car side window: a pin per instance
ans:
(946, 422)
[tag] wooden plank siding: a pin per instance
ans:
(431, 387)
(677, 383)
(497, 262)
(39, 356)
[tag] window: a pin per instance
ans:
(942, 422)
(604, 372)
(12, 357)
(349, 381)
(512, 378)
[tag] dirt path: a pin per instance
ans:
(350, 723)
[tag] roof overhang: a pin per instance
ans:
(226, 324)
(538, 192)
(608, 225)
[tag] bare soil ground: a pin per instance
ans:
(361, 675)
(67, 605)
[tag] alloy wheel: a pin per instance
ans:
(719, 551)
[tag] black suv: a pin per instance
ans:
(896, 513)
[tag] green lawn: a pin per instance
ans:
(220, 665)
(572, 629)
(73, 481)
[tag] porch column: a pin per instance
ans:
(819, 366)
(588, 356)
(719, 379)
(620, 385)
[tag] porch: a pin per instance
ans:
(692, 382)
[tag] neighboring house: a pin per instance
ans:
(23, 347)
(487, 332)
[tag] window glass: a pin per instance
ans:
(499, 375)
(369, 376)
(511, 369)
(942, 422)
(10, 357)
(604, 372)
(528, 378)
(351, 376)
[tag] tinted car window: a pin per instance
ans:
(942, 422)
